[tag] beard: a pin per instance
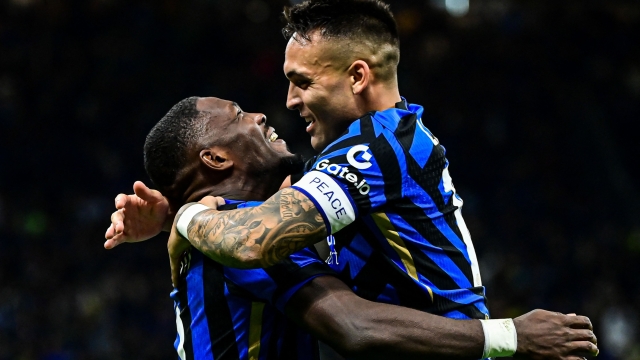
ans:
(292, 164)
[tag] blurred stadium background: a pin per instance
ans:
(536, 101)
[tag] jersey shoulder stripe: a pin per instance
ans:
(183, 343)
(198, 328)
(219, 317)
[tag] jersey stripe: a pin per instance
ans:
(462, 228)
(200, 336)
(437, 163)
(393, 187)
(255, 329)
(219, 318)
(183, 343)
(183, 316)
(462, 295)
(439, 238)
(396, 242)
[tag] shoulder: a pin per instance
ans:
(398, 128)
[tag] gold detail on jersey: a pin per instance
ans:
(396, 242)
(255, 330)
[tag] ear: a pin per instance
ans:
(216, 158)
(360, 75)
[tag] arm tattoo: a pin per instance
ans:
(259, 236)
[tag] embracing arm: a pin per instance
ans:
(260, 236)
(361, 329)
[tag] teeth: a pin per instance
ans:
(273, 137)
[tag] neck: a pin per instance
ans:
(380, 96)
(237, 188)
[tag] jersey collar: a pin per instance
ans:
(389, 119)
(402, 104)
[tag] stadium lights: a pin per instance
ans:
(455, 8)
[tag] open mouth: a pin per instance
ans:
(310, 121)
(273, 137)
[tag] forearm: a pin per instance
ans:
(358, 328)
(390, 330)
(382, 331)
(259, 236)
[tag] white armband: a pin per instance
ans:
(187, 215)
(331, 200)
(500, 338)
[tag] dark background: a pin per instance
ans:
(535, 101)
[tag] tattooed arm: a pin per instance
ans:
(260, 236)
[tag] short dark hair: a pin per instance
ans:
(166, 146)
(342, 19)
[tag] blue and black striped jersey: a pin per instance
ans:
(226, 313)
(398, 236)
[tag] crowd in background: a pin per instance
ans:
(536, 103)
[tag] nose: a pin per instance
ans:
(260, 119)
(293, 100)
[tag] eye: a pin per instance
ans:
(303, 84)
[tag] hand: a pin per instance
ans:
(549, 335)
(177, 245)
(138, 217)
(212, 201)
